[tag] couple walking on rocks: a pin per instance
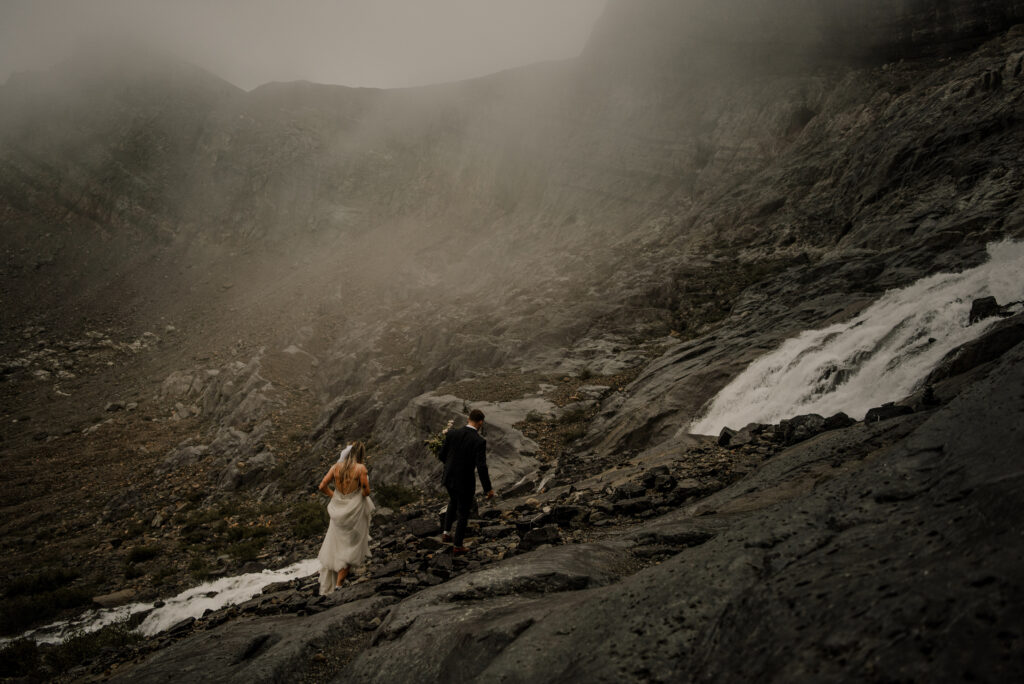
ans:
(347, 542)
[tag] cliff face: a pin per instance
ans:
(872, 31)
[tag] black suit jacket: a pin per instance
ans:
(464, 451)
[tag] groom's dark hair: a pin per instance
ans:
(476, 415)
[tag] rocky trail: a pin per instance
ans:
(408, 556)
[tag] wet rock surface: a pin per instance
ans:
(261, 649)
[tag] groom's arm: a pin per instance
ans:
(481, 467)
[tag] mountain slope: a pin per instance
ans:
(591, 248)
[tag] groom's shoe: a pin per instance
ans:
(459, 550)
(446, 538)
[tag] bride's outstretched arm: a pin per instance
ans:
(324, 489)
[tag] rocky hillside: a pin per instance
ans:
(206, 291)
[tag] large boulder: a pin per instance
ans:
(803, 427)
(996, 341)
(510, 454)
(114, 599)
(983, 308)
(887, 411)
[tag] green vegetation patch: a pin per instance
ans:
(199, 568)
(246, 551)
(141, 554)
(395, 496)
(242, 532)
(18, 613)
(308, 518)
(575, 432)
(43, 581)
(26, 658)
(576, 415)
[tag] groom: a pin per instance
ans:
(463, 452)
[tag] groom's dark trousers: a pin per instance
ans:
(463, 453)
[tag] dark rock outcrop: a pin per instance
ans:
(1002, 337)
(264, 649)
(840, 558)
(887, 411)
(424, 527)
(983, 308)
(548, 534)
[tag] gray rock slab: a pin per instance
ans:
(510, 454)
(267, 649)
(425, 637)
(117, 598)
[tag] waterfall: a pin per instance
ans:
(193, 602)
(219, 593)
(881, 355)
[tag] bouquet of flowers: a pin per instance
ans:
(436, 441)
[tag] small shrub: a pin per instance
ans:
(394, 495)
(161, 574)
(45, 580)
(268, 508)
(20, 658)
(240, 532)
(229, 508)
(202, 516)
(83, 647)
(246, 550)
(134, 528)
(575, 432)
(308, 518)
(193, 537)
(574, 416)
(141, 554)
(21, 612)
(585, 373)
(278, 472)
(199, 568)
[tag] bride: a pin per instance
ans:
(348, 535)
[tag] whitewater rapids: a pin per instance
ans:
(881, 355)
(189, 603)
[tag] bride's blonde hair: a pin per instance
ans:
(356, 454)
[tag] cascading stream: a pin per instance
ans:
(881, 355)
(192, 602)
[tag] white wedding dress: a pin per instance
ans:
(347, 542)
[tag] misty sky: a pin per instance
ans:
(380, 43)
